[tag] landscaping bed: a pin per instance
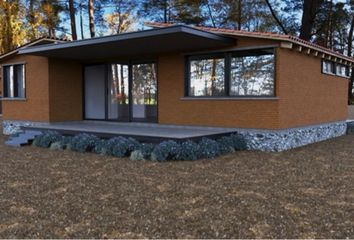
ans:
(302, 193)
(120, 147)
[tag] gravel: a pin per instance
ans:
(302, 193)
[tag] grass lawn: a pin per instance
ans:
(302, 193)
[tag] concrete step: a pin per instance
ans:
(22, 138)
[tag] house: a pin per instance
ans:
(277, 90)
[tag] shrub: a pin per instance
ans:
(189, 151)
(84, 142)
(57, 146)
(166, 150)
(209, 148)
(226, 144)
(100, 147)
(239, 142)
(121, 147)
(143, 153)
(350, 127)
(46, 139)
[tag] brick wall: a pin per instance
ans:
(306, 95)
(65, 90)
(36, 105)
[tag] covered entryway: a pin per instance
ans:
(124, 92)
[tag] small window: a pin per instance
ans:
(342, 70)
(328, 67)
(207, 77)
(14, 81)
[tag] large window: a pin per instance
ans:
(207, 77)
(252, 74)
(14, 81)
(232, 74)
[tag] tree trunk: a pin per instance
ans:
(91, 18)
(310, 9)
(31, 19)
(211, 15)
(72, 19)
(239, 15)
(81, 22)
(350, 49)
(165, 11)
(276, 17)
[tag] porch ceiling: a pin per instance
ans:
(163, 40)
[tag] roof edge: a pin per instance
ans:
(128, 36)
(264, 35)
(30, 44)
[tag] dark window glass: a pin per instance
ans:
(252, 75)
(328, 67)
(207, 77)
(342, 70)
(14, 81)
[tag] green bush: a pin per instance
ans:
(100, 147)
(239, 142)
(57, 146)
(143, 153)
(189, 151)
(208, 148)
(166, 150)
(84, 142)
(46, 139)
(121, 147)
(226, 144)
(350, 127)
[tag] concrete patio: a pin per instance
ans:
(149, 132)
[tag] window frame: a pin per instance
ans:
(3, 66)
(334, 66)
(228, 55)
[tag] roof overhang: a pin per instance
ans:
(40, 41)
(177, 38)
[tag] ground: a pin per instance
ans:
(303, 193)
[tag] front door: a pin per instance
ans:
(121, 92)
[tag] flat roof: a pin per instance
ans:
(176, 38)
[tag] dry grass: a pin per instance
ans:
(302, 193)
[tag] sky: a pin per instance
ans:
(110, 9)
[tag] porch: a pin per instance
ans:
(145, 132)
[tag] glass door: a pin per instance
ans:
(144, 93)
(121, 92)
(118, 92)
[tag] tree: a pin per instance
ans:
(157, 10)
(50, 10)
(121, 20)
(91, 18)
(11, 25)
(72, 19)
(310, 10)
(276, 17)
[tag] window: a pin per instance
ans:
(252, 75)
(14, 81)
(330, 67)
(232, 74)
(207, 77)
(342, 70)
